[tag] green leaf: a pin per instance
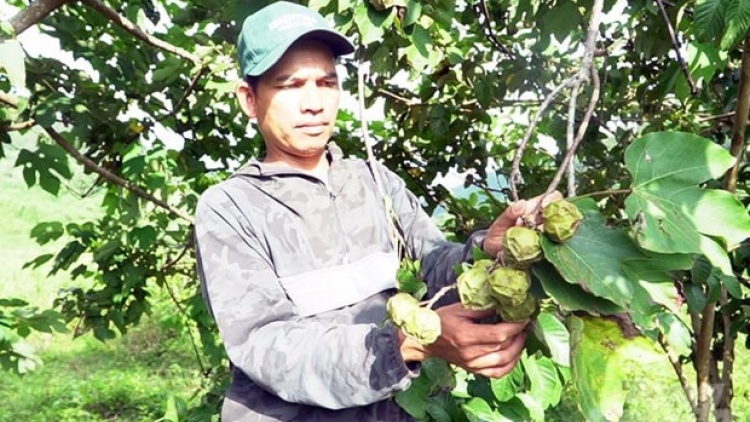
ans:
(732, 285)
(592, 258)
(676, 333)
(553, 333)
(46, 232)
(12, 61)
(709, 19)
(436, 375)
(546, 386)
(371, 23)
(738, 23)
(39, 261)
(478, 410)
(505, 388)
(669, 211)
(695, 296)
(571, 297)
(413, 12)
(599, 351)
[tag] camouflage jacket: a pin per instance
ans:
(296, 272)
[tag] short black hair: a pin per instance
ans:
(253, 82)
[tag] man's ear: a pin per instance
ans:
(246, 98)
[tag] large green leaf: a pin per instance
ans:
(738, 23)
(710, 19)
(596, 258)
(671, 214)
(572, 297)
(598, 354)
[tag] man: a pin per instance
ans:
(296, 261)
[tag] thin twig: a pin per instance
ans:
(587, 67)
(15, 127)
(398, 97)
(190, 333)
(676, 45)
(8, 99)
(181, 101)
(716, 117)
(491, 32)
(395, 235)
(91, 165)
(570, 138)
(675, 361)
(132, 28)
(439, 295)
(606, 193)
(515, 173)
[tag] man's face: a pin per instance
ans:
(296, 103)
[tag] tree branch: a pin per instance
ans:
(675, 361)
(703, 361)
(587, 68)
(570, 139)
(491, 32)
(91, 165)
(515, 172)
(130, 27)
(8, 99)
(181, 101)
(676, 45)
(740, 119)
(15, 127)
(34, 13)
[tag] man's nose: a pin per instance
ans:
(311, 99)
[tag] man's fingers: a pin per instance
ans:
(495, 333)
(500, 358)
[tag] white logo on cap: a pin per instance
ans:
(294, 20)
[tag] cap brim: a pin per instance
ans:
(339, 46)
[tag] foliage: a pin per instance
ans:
(458, 84)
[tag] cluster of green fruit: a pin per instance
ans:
(487, 284)
(504, 285)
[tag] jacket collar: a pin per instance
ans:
(261, 169)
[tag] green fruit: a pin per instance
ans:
(509, 286)
(525, 310)
(473, 289)
(561, 219)
(522, 246)
(423, 325)
(399, 306)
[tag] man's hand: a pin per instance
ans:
(514, 216)
(491, 350)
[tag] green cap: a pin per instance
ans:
(269, 32)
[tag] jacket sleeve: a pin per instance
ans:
(312, 361)
(425, 241)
